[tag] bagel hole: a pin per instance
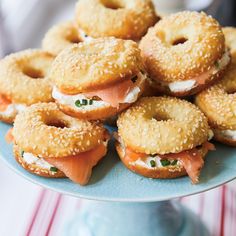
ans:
(57, 124)
(161, 118)
(231, 91)
(73, 39)
(33, 73)
(178, 41)
(114, 5)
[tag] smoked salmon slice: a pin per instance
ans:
(114, 94)
(131, 155)
(201, 79)
(9, 136)
(4, 102)
(209, 146)
(192, 162)
(79, 168)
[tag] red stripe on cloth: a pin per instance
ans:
(53, 214)
(35, 212)
(233, 208)
(222, 217)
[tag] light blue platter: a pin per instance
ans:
(111, 181)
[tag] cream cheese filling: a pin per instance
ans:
(70, 100)
(13, 109)
(180, 86)
(187, 85)
(147, 162)
(30, 158)
(210, 135)
(229, 134)
(84, 36)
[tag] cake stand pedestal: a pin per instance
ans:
(165, 218)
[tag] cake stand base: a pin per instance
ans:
(165, 218)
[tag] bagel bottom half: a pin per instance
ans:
(221, 137)
(7, 118)
(44, 169)
(93, 114)
(156, 172)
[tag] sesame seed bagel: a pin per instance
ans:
(184, 47)
(59, 37)
(119, 18)
(157, 172)
(97, 80)
(24, 81)
(45, 131)
(162, 125)
(219, 105)
(230, 38)
(34, 168)
(98, 64)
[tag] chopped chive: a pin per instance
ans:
(152, 163)
(84, 102)
(22, 153)
(91, 102)
(165, 162)
(53, 169)
(134, 79)
(77, 103)
(217, 65)
(174, 162)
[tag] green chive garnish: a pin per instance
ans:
(174, 162)
(165, 162)
(22, 153)
(53, 169)
(84, 102)
(217, 65)
(77, 103)
(91, 102)
(152, 163)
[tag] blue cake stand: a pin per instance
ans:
(126, 204)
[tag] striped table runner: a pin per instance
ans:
(29, 210)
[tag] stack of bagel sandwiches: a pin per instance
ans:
(168, 85)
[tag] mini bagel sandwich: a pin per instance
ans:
(230, 38)
(163, 137)
(59, 37)
(24, 81)
(184, 53)
(219, 105)
(99, 79)
(51, 144)
(125, 19)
